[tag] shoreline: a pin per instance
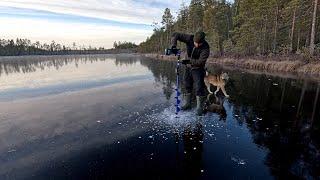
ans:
(283, 66)
(263, 65)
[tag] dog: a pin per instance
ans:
(217, 80)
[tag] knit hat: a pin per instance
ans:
(199, 37)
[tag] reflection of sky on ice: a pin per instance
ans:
(100, 70)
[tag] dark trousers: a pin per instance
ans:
(194, 77)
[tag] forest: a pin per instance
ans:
(20, 47)
(244, 27)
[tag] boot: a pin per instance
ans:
(187, 102)
(200, 105)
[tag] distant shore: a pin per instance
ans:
(72, 52)
(265, 64)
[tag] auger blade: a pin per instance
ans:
(178, 101)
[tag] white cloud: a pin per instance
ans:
(88, 33)
(133, 11)
(67, 33)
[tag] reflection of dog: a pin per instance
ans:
(215, 105)
(217, 80)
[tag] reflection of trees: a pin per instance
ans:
(303, 91)
(163, 72)
(315, 105)
(126, 59)
(34, 63)
(283, 87)
(286, 130)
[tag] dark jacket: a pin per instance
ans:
(198, 56)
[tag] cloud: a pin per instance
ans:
(66, 33)
(131, 11)
(89, 22)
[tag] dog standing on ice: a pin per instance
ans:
(217, 80)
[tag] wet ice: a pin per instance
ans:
(238, 160)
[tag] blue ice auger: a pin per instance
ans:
(178, 101)
(177, 53)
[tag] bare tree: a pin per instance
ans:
(292, 28)
(313, 30)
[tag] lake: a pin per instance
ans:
(113, 117)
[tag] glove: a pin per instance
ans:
(174, 50)
(186, 61)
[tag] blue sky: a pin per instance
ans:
(86, 22)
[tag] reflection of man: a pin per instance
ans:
(193, 147)
(198, 51)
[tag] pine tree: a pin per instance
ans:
(182, 20)
(195, 15)
(167, 22)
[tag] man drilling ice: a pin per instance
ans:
(198, 51)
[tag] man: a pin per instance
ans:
(198, 51)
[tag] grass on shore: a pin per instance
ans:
(269, 65)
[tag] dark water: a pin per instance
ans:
(112, 117)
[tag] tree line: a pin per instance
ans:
(21, 47)
(124, 45)
(244, 27)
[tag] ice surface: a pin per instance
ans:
(12, 150)
(168, 118)
(238, 160)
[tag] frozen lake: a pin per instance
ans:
(112, 117)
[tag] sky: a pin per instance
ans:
(97, 23)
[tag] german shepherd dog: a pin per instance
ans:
(217, 80)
